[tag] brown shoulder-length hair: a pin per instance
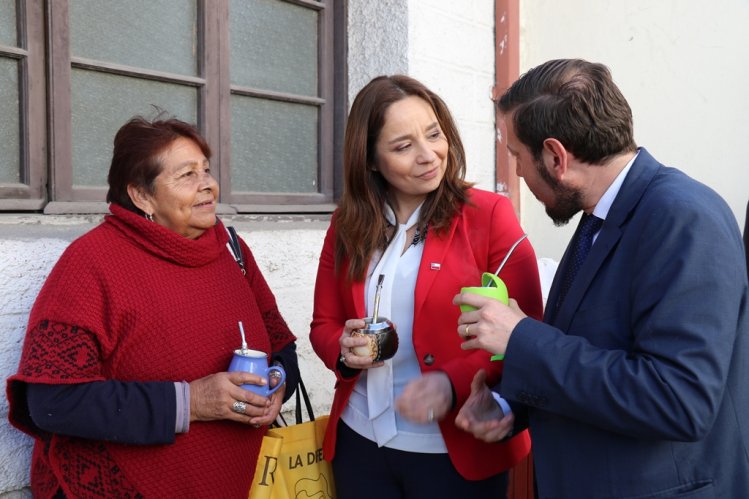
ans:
(360, 224)
(136, 158)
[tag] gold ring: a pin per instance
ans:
(430, 414)
(467, 326)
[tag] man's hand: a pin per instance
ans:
(489, 326)
(481, 415)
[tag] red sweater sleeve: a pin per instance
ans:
(330, 312)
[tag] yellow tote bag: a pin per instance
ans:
(290, 464)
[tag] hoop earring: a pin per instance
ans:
(149, 217)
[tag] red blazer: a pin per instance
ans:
(476, 242)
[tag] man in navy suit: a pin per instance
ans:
(636, 384)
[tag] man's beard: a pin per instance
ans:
(568, 200)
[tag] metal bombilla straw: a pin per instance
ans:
(244, 341)
(377, 298)
(507, 256)
(500, 356)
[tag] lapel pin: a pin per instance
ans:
(434, 266)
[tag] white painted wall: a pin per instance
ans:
(451, 50)
(681, 64)
(24, 264)
(377, 41)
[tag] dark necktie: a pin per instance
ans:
(589, 225)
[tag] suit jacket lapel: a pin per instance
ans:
(435, 251)
(640, 175)
(604, 244)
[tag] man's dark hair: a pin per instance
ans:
(575, 102)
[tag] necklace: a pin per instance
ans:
(418, 237)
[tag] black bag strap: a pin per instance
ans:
(301, 391)
(235, 248)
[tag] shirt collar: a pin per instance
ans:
(604, 204)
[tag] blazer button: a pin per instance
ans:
(429, 359)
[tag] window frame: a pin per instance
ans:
(51, 171)
(30, 192)
(329, 111)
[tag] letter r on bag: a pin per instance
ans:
(271, 463)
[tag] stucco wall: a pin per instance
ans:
(681, 64)
(451, 50)
(377, 41)
(23, 266)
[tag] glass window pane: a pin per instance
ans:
(152, 34)
(102, 103)
(8, 23)
(10, 151)
(273, 146)
(274, 46)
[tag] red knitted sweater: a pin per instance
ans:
(134, 301)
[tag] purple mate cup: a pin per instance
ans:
(256, 362)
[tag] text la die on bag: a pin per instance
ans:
(290, 464)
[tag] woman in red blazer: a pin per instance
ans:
(408, 214)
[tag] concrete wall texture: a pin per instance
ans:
(680, 66)
(24, 265)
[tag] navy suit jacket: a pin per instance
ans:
(638, 385)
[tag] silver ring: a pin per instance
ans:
(430, 414)
(238, 407)
(467, 326)
(256, 426)
(342, 359)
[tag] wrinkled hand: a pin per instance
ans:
(481, 415)
(212, 397)
(347, 342)
(276, 401)
(489, 326)
(429, 395)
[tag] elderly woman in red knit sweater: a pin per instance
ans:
(122, 379)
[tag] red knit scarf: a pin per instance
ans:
(134, 301)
